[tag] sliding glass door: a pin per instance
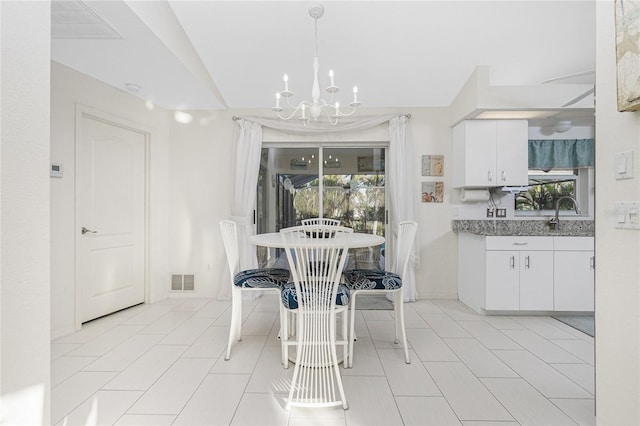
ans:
(321, 181)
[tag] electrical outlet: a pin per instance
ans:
(501, 212)
(489, 212)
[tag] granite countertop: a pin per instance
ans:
(505, 227)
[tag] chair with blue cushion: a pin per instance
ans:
(374, 281)
(264, 279)
(316, 255)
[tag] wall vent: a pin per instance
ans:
(183, 282)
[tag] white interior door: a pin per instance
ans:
(110, 218)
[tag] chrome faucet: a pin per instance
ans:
(554, 222)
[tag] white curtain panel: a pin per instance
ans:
(402, 196)
(245, 179)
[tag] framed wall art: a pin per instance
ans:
(432, 165)
(432, 192)
(628, 54)
(370, 164)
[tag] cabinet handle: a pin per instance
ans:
(520, 243)
(504, 176)
(526, 262)
(512, 263)
(592, 263)
(490, 175)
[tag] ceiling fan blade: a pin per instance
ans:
(579, 98)
(568, 76)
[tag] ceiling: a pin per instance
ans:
(401, 54)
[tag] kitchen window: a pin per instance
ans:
(558, 168)
(546, 187)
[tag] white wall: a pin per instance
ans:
(201, 170)
(617, 251)
(68, 89)
(24, 186)
(201, 154)
(191, 175)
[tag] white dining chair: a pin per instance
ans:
(320, 221)
(375, 281)
(262, 279)
(316, 255)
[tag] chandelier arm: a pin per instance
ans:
(299, 106)
(347, 114)
(333, 120)
(294, 111)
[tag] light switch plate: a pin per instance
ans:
(627, 215)
(624, 165)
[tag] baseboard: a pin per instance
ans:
(437, 295)
(61, 332)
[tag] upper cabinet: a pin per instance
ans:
(489, 153)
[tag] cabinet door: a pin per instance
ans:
(512, 152)
(536, 280)
(502, 285)
(573, 281)
(474, 152)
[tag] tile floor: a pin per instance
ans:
(163, 364)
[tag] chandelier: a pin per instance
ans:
(312, 110)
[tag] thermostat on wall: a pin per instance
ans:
(56, 170)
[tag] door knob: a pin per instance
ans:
(85, 230)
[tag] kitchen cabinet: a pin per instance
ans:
(573, 274)
(520, 277)
(532, 273)
(490, 153)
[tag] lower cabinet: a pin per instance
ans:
(526, 273)
(520, 278)
(573, 274)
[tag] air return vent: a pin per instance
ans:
(184, 282)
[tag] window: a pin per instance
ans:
(547, 187)
(346, 183)
(558, 168)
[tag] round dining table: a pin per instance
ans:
(356, 240)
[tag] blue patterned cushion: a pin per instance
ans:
(261, 278)
(290, 296)
(371, 279)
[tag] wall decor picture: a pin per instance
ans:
(628, 54)
(370, 164)
(296, 164)
(432, 192)
(432, 165)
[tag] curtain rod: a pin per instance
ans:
(236, 118)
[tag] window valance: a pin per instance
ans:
(356, 124)
(548, 154)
